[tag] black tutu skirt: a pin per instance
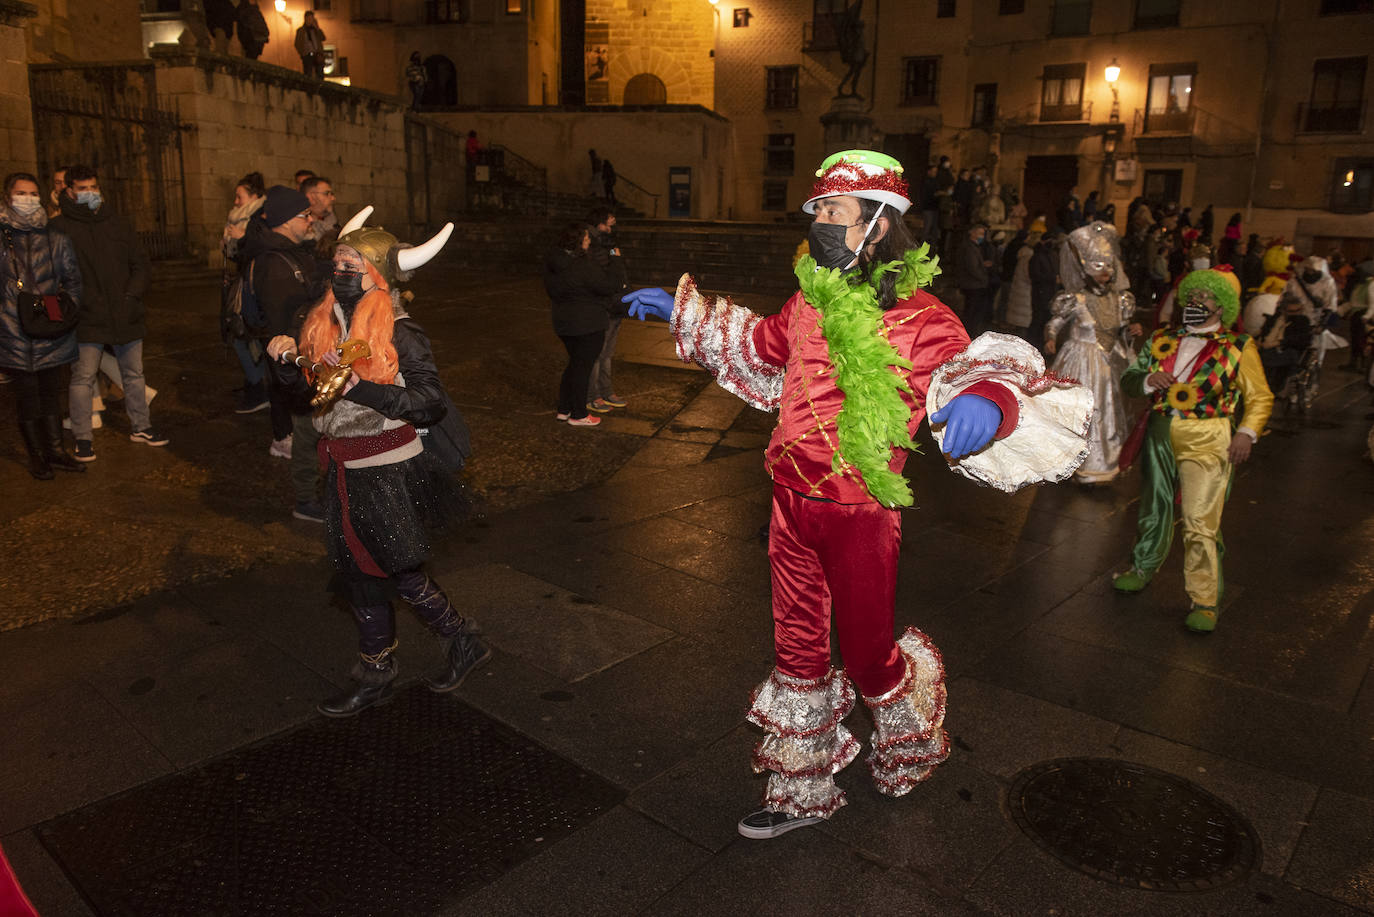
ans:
(397, 511)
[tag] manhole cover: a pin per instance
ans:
(400, 811)
(1132, 825)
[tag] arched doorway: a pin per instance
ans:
(645, 89)
(441, 83)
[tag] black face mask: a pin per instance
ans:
(347, 287)
(828, 246)
(1311, 276)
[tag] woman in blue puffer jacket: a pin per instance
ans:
(44, 261)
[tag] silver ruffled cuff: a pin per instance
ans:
(805, 745)
(909, 740)
(719, 336)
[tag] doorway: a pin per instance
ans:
(1047, 183)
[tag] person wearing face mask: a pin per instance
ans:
(249, 195)
(114, 271)
(852, 364)
(35, 260)
(286, 280)
(389, 446)
(1209, 405)
(1098, 308)
(1313, 286)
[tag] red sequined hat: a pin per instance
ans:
(864, 174)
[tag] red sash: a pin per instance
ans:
(349, 449)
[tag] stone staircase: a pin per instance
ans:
(181, 272)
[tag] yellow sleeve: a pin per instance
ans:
(1259, 401)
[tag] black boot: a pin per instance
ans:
(57, 456)
(33, 443)
(371, 686)
(465, 653)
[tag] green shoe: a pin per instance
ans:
(1132, 580)
(1202, 619)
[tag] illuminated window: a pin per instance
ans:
(1352, 188)
(1061, 92)
(1169, 105)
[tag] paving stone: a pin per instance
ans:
(1333, 855)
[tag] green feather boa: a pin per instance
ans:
(874, 417)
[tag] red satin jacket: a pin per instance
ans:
(804, 443)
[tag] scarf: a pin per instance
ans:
(12, 218)
(874, 417)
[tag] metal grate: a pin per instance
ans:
(399, 811)
(1132, 825)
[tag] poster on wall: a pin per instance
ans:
(598, 54)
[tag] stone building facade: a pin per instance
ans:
(1257, 108)
(649, 52)
(16, 106)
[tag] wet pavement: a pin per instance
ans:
(183, 638)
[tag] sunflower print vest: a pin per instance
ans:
(1211, 391)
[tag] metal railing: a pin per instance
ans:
(501, 179)
(647, 200)
(1330, 119)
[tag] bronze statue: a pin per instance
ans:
(853, 49)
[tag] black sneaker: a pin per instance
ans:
(765, 823)
(308, 512)
(84, 451)
(148, 438)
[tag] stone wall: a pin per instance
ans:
(85, 30)
(671, 39)
(641, 142)
(16, 112)
(246, 117)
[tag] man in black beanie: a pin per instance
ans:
(284, 280)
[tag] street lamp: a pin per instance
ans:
(1113, 73)
(280, 5)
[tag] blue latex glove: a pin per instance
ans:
(971, 421)
(650, 301)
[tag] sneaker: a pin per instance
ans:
(1132, 580)
(252, 402)
(308, 512)
(561, 415)
(148, 438)
(590, 420)
(280, 448)
(600, 405)
(84, 452)
(615, 401)
(1201, 620)
(765, 823)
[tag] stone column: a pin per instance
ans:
(847, 125)
(17, 150)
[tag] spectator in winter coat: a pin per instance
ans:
(579, 289)
(44, 262)
(310, 46)
(1043, 272)
(972, 276)
(220, 16)
(286, 280)
(253, 31)
(114, 274)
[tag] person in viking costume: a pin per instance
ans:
(1098, 309)
(389, 443)
(1209, 405)
(852, 364)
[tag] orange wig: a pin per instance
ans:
(373, 321)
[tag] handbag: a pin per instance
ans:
(41, 315)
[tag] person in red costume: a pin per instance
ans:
(852, 363)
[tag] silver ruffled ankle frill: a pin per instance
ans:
(909, 739)
(805, 745)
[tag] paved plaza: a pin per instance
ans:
(165, 636)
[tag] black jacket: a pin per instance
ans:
(1044, 275)
(969, 271)
(600, 252)
(252, 26)
(1297, 334)
(581, 291)
(220, 16)
(287, 280)
(114, 273)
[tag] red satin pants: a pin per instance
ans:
(835, 559)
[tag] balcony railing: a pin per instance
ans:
(1168, 122)
(1341, 118)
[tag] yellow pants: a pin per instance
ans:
(1204, 477)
